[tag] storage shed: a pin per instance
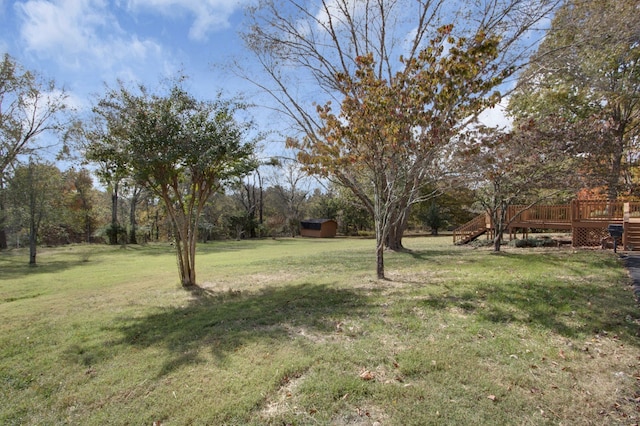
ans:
(318, 228)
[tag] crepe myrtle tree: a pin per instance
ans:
(391, 132)
(182, 149)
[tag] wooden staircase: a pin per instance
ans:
(471, 230)
(587, 220)
(631, 234)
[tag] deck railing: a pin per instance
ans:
(587, 219)
(540, 214)
(598, 210)
(634, 210)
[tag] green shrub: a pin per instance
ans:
(533, 242)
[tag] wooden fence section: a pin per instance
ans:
(588, 221)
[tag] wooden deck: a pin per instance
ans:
(587, 220)
(556, 217)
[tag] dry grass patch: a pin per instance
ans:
(284, 400)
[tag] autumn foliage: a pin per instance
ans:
(386, 141)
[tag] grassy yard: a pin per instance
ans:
(299, 331)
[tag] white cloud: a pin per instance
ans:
(209, 15)
(79, 33)
(497, 116)
(336, 12)
(74, 101)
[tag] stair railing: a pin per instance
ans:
(471, 229)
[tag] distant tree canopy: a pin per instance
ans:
(383, 98)
(34, 192)
(28, 108)
(182, 149)
(583, 84)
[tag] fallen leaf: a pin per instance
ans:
(367, 375)
(492, 397)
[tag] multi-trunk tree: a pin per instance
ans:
(180, 148)
(406, 82)
(393, 132)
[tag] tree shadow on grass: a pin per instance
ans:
(16, 270)
(224, 322)
(570, 309)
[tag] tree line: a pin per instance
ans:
(52, 207)
(392, 124)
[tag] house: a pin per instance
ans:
(318, 228)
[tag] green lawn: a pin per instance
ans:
(299, 331)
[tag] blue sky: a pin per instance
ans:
(82, 44)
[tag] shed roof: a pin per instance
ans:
(317, 220)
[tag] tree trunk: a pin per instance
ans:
(394, 239)
(616, 166)
(499, 217)
(261, 203)
(132, 218)
(185, 264)
(3, 232)
(186, 250)
(113, 235)
(3, 235)
(33, 228)
(380, 260)
(396, 231)
(156, 225)
(32, 247)
(381, 237)
(497, 241)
